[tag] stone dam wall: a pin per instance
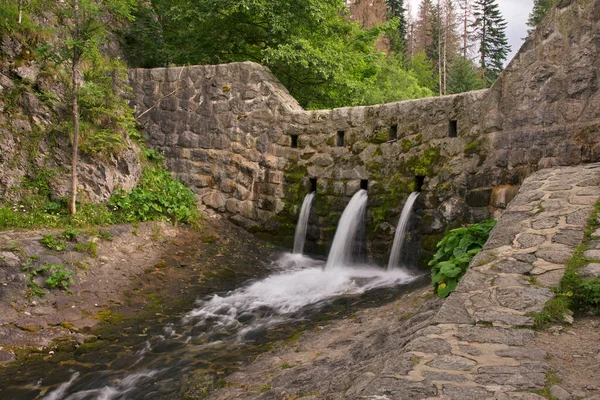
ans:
(235, 135)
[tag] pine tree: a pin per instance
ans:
(489, 33)
(422, 28)
(540, 9)
(462, 76)
(466, 20)
(396, 10)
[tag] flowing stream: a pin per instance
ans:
(157, 357)
(400, 236)
(300, 236)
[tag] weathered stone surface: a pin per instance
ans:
(559, 393)
(399, 389)
(526, 258)
(513, 267)
(571, 238)
(444, 377)
(527, 240)
(462, 392)
(511, 337)
(428, 345)
(447, 362)
(555, 255)
(519, 353)
(528, 299)
(10, 260)
(590, 271)
(593, 254)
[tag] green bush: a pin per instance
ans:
(156, 197)
(455, 252)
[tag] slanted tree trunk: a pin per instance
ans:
(75, 94)
(20, 11)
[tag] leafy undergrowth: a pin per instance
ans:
(156, 197)
(455, 252)
(575, 294)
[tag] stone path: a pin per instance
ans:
(477, 347)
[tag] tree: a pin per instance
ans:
(466, 15)
(396, 10)
(462, 77)
(323, 59)
(85, 30)
(422, 27)
(540, 9)
(489, 33)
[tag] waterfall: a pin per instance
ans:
(300, 236)
(345, 235)
(396, 256)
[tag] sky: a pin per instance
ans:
(515, 13)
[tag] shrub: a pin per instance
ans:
(156, 197)
(455, 252)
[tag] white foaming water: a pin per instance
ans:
(300, 236)
(59, 393)
(276, 298)
(340, 254)
(125, 386)
(396, 255)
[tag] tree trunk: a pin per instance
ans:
(465, 33)
(75, 94)
(20, 11)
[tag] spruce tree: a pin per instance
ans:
(396, 9)
(489, 33)
(540, 9)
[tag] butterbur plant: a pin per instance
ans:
(454, 253)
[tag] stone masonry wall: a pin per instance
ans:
(236, 136)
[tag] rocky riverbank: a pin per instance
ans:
(131, 269)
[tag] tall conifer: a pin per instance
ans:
(489, 33)
(396, 9)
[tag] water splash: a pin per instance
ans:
(300, 236)
(344, 241)
(250, 311)
(399, 238)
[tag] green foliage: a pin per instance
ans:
(455, 252)
(57, 276)
(90, 247)
(106, 118)
(462, 77)
(156, 197)
(71, 234)
(489, 32)
(53, 243)
(316, 52)
(422, 69)
(540, 10)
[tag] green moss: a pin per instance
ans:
(379, 137)
(109, 317)
(473, 148)
(406, 145)
(429, 242)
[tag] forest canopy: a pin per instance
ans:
(311, 46)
